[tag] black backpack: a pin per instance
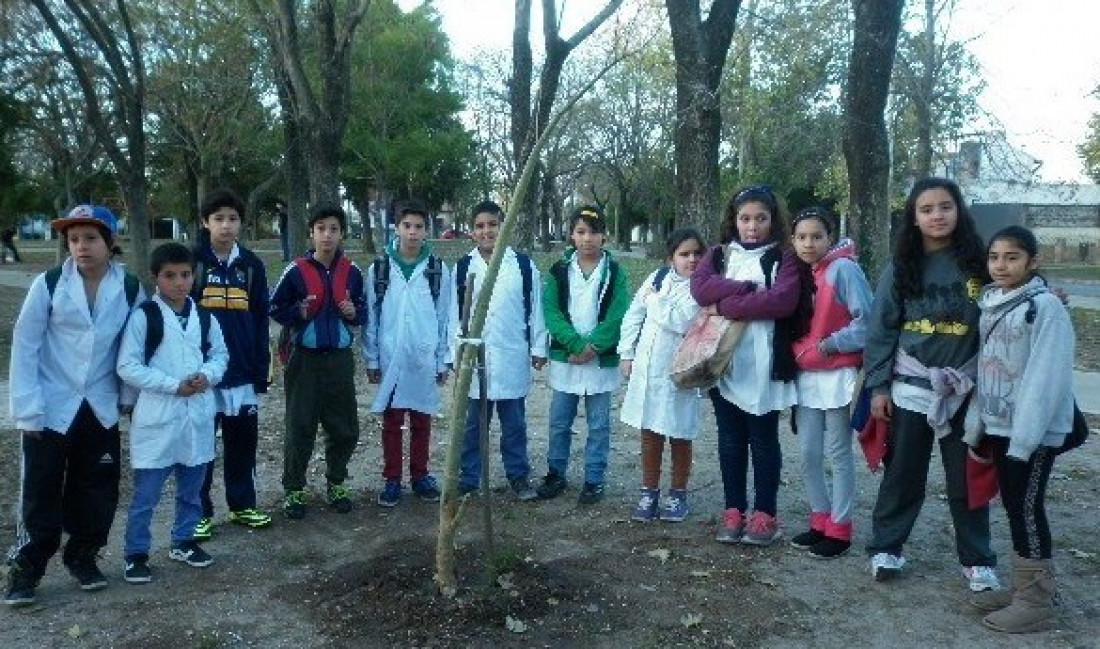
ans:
(462, 267)
(381, 266)
(130, 283)
(154, 333)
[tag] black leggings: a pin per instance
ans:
(1023, 492)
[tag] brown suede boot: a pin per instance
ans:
(1032, 607)
(988, 601)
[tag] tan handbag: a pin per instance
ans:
(706, 350)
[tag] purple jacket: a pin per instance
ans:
(739, 300)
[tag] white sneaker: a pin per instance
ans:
(981, 578)
(886, 566)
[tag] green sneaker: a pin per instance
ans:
(294, 504)
(339, 498)
(205, 529)
(250, 518)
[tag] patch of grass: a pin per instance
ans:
(1072, 272)
(208, 640)
(507, 558)
(1086, 324)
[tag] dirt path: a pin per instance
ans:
(574, 577)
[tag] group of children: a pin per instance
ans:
(811, 325)
(89, 345)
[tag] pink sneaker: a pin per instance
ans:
(732, 526)
(762, 530)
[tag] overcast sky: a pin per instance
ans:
(1040, 60)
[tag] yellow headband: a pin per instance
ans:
(590, 214)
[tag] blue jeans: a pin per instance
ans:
(563, 410)
(512, 414)
(148, 486)
(738, 431)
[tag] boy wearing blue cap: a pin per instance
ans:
(65, 402)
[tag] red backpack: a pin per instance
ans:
(317, 295)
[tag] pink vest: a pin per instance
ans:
(830, 315)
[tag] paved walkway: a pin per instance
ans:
(16, 278)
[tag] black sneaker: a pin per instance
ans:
(137, 569)
(591, 494)
(523, 490)
(807, 539)
(87, 573)
(829, 548)
(190, 553)
(21, 583)
(552, 485)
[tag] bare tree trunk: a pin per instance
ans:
(114, 40)
(294, 163)
(363, 206)
(298, 189)
(700, 48)
(136, 191)
(742, 79)
(866, 147)
(922, 103)
(320, 99)
(255, 197)
(530, 121)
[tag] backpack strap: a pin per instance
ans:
(381, 268)
(462, 267)
(560, 272)
(131, 285)
(605, 301)
(526, 276)
(434, 273)
(315, 285)
(1029, 315)
(769, 262)
(204, 331)
(341, 278)
(154, 328)
(53, 276)
(659, 278)
(719, 260)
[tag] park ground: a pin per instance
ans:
(565, 575)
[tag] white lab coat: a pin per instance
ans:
(410, 338)
(66, 354)
(168, 429)
(507, 354)
(652, 329)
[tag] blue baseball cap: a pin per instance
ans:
(88, 215)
